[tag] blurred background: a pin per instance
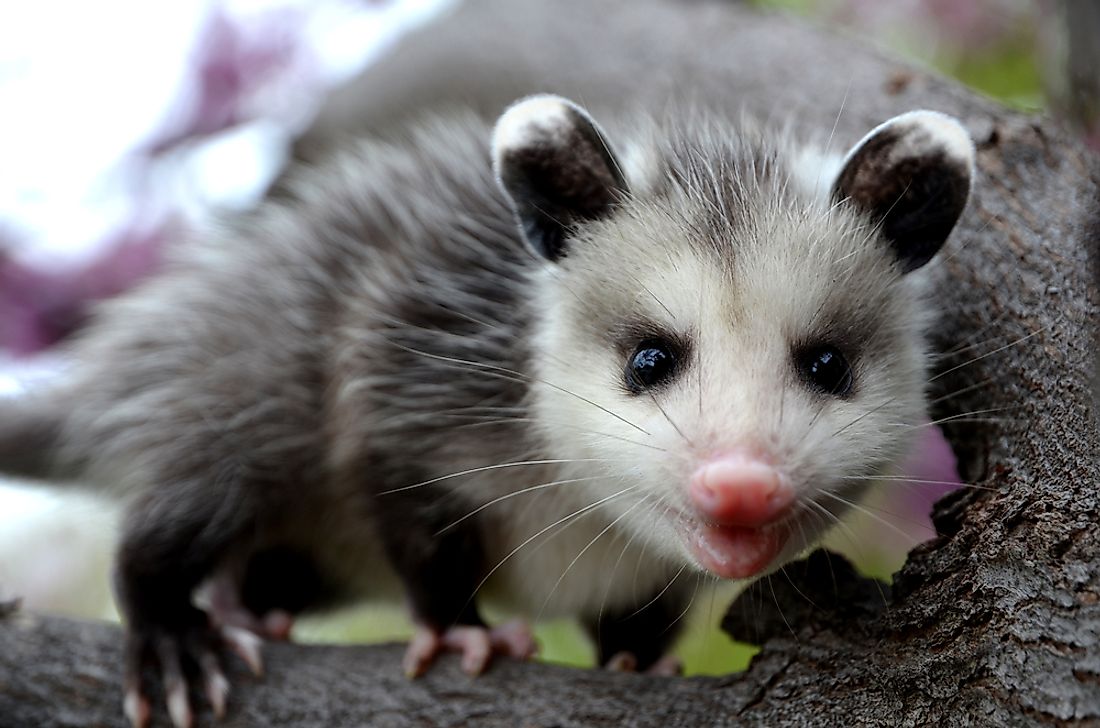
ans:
(126, 123)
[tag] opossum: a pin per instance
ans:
(534, 362)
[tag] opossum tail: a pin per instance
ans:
(31, 433)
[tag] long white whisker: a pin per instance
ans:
(513, 494)
(686, 609)
(611, 578)
(780, 609)
(868, 413)
(581, 553)
(832, 132)
(988, 354)
(485, 468)
(489, 420)
(783, 571)
(868, 512)
(660, 594)
(904, 480)
(959, 392)
(959, 416)
(474, 366)
(541, 531)
(674, 425)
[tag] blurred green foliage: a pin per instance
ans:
(999, 59)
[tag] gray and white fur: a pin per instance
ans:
(380, 382)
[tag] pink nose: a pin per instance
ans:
(737, 490)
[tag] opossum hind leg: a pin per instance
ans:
(174, 535)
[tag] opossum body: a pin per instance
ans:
(682, 360)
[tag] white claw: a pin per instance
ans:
(247, 646)
(179, 709)
(136, 709)
(217, 688)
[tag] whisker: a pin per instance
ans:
(698, 358)
(970, 342)
(485, 468)
(521, 377)
(830, 519)
(660, 594)
(614, 568)
(959, 392)
(988, 354)
(513, 494)
(902, 479)
(868, 413)
(832, 132)
(575, 514)
(961, 417)
(495, 421)
(671, 316)
(581, 553)
(674, 425)
(690, 604)
(922, 525)
(851, 504)
(779, 609)
(783, 571)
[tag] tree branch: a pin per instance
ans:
(996, 621)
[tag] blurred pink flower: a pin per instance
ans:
(39, 308)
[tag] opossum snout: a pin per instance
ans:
(739, 490)
(739, 501)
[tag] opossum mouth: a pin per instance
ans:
(734, 552)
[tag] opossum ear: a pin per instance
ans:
(912, 175)
(556, 167)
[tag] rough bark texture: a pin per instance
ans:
(996, 621)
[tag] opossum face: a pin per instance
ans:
(740, 359)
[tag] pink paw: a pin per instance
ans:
(477, 645)
(667, 666)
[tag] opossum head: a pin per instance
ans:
(737, 357)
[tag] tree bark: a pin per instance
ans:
(994, 622)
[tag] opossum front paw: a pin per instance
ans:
(191, 645)
(668, 666)
(477, 645)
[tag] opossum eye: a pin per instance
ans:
(825, 369)
(651, 364)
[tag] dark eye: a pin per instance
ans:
(651, 364)
(826, 370)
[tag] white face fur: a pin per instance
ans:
(718, 311)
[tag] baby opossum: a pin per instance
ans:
(682, 359)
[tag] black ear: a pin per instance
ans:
(912, 175)
(556, 167)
